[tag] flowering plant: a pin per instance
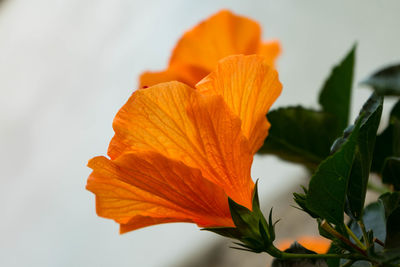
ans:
(184, 144)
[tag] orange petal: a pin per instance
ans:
(249, 86)
(316, 244)
(187, 74)
(197, 52)
(144, 221)
(270, 50)
(148, 78)
(224, 146)
(221, 35)
(143, 188)
(121, 201)
(179, 123)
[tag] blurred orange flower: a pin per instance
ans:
(198, 51)
(178, 152)
(317, 244)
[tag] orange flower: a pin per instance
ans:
(199, 50)
(178, 152)
(317, 244)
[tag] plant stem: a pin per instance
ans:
(272, 250)
(286, 255)
(376, 240)
(358, 242)
(327, 227)
(364, 232)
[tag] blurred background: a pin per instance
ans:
(66, 67)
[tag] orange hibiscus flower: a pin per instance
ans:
(198, 51)
(315, 243)
(179, 152)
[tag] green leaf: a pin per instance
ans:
(391, 202)
(388, 142)
(361, 264)
(335, 96)
(328, 186)
(393, 230)
(391, 172)
(304, 135)
(300, 135)
(386, 81)
(358, 181)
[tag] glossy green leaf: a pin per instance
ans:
(328, 186)
(357, 187)
(391, 172)
(385, 81)
(388, 142)
(300, 135)
(335, 95)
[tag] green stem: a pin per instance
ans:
(364, 232)
(272, 250)
(327, 227)
(358, 242)
(286, 255)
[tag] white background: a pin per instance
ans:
(66, 67)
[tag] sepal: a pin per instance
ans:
(251, 228)
(230, 232)
(301, 200)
